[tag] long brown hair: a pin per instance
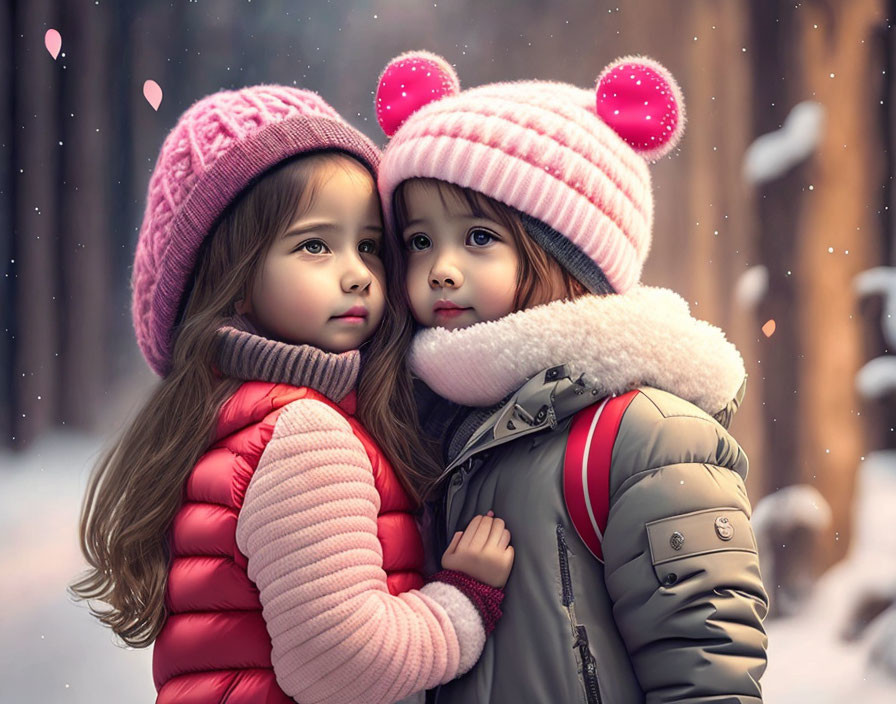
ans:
(540, 279)
(136, 487)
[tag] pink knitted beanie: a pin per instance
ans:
(572, 159)
(217, 148)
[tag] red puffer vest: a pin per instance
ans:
(214, 646)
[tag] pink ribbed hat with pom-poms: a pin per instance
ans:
(219, 146)
(572, 161)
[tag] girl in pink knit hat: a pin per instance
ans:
(589, 411)
(256, 520)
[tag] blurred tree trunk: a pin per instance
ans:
(35, 229)
(880, 413)
(704, 232)
(8, 147)
(887, 41)
(84, 235)
(61, 301)
(816, 233)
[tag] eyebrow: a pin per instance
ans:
(425, 221)
(325, 227)
(310, 227)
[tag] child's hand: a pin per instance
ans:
(482, 551)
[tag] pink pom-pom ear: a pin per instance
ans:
(409, 82)
(640, 100)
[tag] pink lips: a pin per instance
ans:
(448, 309)
(355, 314)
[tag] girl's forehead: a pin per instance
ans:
(338, 183)
(429, 194)
(344, 170)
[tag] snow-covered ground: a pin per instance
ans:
(807, 660)
(52, 651)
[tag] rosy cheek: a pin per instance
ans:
(417, 289)
(498, 301)
(497, 291)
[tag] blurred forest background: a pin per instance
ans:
(773, 218)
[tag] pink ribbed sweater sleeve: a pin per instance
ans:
(308, 527)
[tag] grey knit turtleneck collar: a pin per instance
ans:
(245, 354)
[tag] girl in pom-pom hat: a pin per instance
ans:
(247, 523)
(589, 411)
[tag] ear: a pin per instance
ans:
(640, 100)
(243, 306)
(409, 82)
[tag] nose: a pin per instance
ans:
(356, 277)
(444, 274)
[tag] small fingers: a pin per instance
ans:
(483, 531)
(470, 532)
(497, 529)
(504, 540)
(454, 542)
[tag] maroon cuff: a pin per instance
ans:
(485, 598)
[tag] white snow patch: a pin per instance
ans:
(751, 287)
(808, 662)
(52, 650)
(877, 378)
(882, 634)
(798, 504)
(881, 280)
(772, 155)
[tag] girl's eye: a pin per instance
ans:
(418, 243)
(369, 247)
(313, 247)
(480, 238)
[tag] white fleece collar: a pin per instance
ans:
(646, 337)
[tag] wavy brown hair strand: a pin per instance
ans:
(136, 487)
(386, 405)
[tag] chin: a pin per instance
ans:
(339, 348)
(345, 344)
(453, 324)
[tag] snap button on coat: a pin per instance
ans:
(676, 541)
(724, 529)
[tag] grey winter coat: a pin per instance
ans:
(674, 614)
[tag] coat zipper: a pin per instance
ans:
(580, 635)
(432, 696)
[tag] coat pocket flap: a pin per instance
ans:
(700, 532)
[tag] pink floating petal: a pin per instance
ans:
(641, 101)
(769, 328)
(153, 94)
(409, 82)
(53, 42)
